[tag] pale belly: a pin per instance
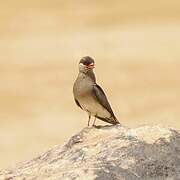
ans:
(93, 107)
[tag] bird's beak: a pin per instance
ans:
(91, 66)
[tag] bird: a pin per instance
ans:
(89, 96)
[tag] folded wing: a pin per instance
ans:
(102, 99)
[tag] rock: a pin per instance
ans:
(107, 153)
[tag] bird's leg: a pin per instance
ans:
(94, 121)
(89, 119)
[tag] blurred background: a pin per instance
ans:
(136, 48)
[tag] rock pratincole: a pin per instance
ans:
(89, 96)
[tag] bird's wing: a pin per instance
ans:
(102, 99)
(78, 104)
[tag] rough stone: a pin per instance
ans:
(107, 153)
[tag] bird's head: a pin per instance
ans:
(86, 64)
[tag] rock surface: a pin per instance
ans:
(107, 153)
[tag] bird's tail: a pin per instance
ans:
(115, 120)
(112, 120)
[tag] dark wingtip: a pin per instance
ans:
(108, 120)
(116, 122)
(115, 119)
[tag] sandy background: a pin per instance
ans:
(136, 45)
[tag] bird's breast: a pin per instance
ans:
(82, 87)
